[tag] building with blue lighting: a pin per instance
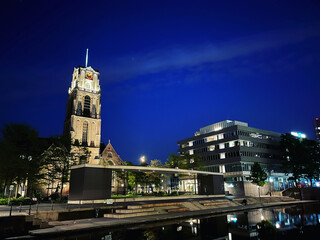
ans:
(231, 148)
(316, 127)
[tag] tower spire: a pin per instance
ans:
(87, 57)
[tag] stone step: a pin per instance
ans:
(134, 210)
(154, 205)
(215, 203)
(128, 215)
(44, 225)
(178, 209)
(134, 207)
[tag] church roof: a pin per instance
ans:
(109, 148)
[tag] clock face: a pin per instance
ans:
(89, 75)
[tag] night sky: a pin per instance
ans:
(167, 68)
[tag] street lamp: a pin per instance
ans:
(271, 182)
(143, 160)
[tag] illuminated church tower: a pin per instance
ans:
(83, 114)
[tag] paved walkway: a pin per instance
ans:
(77, 226)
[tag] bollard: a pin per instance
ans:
(37, 206)
(51, 205)
(30, 208)
(10, 210)
(20, 207)
(97, 212)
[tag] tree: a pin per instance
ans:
(19, 155)
(57, 162)
(258, 176)
(193, 162)
(311, 169)
(176, 161)
(81, 154)
(292, 155)
(131, 179)
(300, 157)
(154, 178)
(156, 163)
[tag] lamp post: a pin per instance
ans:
(143, 162)
(271, 182)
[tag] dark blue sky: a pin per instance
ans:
(167, 68)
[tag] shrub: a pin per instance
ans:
(174, 193)
(3, 201)
(62, 199)
(23, 200)
(16, 201)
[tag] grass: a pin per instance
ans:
(16, 201)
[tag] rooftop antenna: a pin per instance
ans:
(87, 57)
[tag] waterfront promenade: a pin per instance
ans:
(161, 210)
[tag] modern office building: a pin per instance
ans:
(231, 148)
(316, 127)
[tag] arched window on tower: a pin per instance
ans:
(79, 109)
(85, 134)
(86, 107)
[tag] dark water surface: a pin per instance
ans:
(290, 222)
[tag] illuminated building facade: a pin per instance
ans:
(83, 113)
(231, 148)
(316, 126)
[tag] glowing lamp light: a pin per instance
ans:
(143, 159)
(299, 134)
(234, 219)
(278, 225)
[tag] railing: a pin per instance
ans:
(32, 207)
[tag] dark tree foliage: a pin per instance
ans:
(186, 161)
(300, 157)
(20, 150)
(292, 155)
(58, 158)
(311, 169)
(193, 162)
(176, 161)
(258, 176)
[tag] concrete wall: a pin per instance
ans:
(90, 183)
(210, 185)
(246, 189)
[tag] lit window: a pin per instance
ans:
(86, 109)
(85, 133)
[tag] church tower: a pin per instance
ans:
(83, 114)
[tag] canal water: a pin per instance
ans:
(290, 222)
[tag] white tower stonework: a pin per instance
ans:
(83, 114)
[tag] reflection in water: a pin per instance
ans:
(295, 222)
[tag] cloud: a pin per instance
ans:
(138, 64)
